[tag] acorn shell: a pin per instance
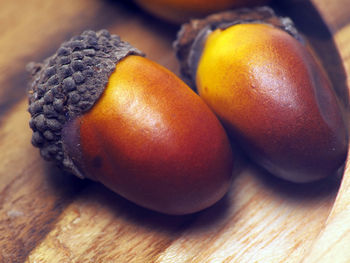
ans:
(67, 84)
(302, 143)
(192, 36)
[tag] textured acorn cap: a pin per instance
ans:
(67, 84)
(192, 35)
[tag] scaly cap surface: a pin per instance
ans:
(67, 84)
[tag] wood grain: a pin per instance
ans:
(49, 216)
(332, 245)
(32, 193)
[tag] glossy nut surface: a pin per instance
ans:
(153, 140)
(182, 10)
(275, 100)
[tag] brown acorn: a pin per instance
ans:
(257, 74)
(102, 111)
(179, 11)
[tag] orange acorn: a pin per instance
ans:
(179, 11)
(256, 73)
(104, 112)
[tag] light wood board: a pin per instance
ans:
(49, 216)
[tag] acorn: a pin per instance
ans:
(103, 111)
(179, 11)
(259, 76)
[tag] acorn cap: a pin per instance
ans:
(67, 84)
(192, 35)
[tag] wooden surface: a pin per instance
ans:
(49, 216)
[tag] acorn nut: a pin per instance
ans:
(274, 98)
(102, 111)
(179, 11)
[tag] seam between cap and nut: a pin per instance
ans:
(68, 84)
(192, 36)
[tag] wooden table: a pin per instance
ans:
(49, 216)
